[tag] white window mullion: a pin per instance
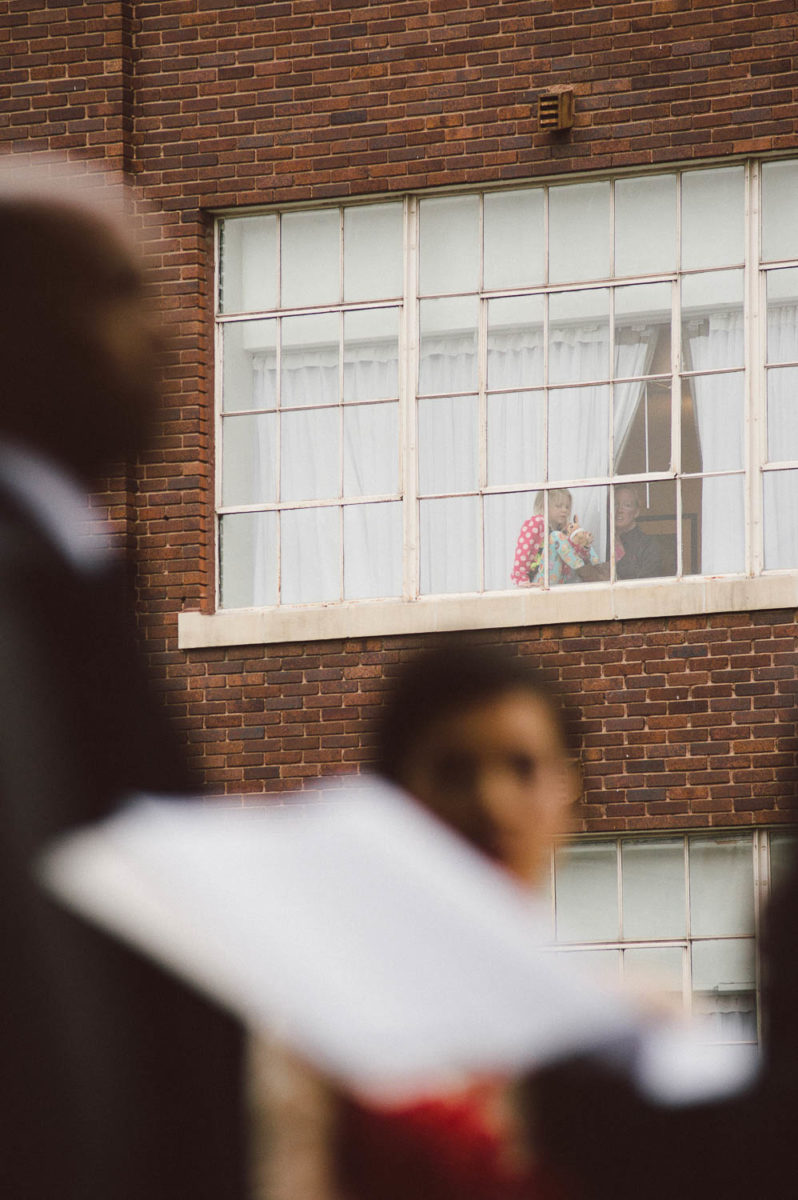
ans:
(408, 405)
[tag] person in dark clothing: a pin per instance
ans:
(118, 1083)
(641, 557)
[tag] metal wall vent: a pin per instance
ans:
(556, 110)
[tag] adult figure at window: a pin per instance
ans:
(641, 558)
(118, 1083)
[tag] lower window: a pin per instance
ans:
(678, 914)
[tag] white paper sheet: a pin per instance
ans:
(373, 941)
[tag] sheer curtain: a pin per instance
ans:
(715, 342)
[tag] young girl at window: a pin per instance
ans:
(570, 547)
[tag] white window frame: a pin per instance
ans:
(621, 600)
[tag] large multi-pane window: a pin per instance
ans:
(677, 914)
(419, 396)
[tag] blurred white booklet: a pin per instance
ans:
(366, 935)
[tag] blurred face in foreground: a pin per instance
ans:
(498, 773)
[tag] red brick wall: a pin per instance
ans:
(206, 104)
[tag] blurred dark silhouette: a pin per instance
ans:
(117, 1083)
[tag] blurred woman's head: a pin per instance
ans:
(559, 507)
(483, 741)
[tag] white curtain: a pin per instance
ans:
(320, 438)
(320, 441)
(717, 341)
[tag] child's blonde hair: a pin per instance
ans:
(554, 494)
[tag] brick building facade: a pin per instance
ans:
(228, 107)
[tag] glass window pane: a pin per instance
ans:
(505, 516)
(642, 328)
(657, 969)
(310, 467)
(724, 989)
(645, 225)
(250, 365)
(372, 551)
(373, 252)
(516, 439)
(449, 252)
(248, 269)
(722, 526)
(783, 851)
(587, 551)
(782, 291)
(712, 320)
(645, 531)
(579, 432)
(579, 336)
(721, 885)
(448, 350)
(719, 412)
(654, 891)
(448, 444)
(579, 232)
(310, 540)
(371, 354)
(642, 426)
(309, 372)
(514, 238)
(779, 224)
(371, 449)
(713, 217)
(780, 494)
(249, 459)
(248, 560)
(449, 534)
(586, 881)
(310, 265)
(604, 966)
(515, 342)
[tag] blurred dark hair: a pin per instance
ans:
(451, 678)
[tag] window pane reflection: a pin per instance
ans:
(444, 525)
(579, 336)
(248, 559)
(780, 495)
(371, 355)
(713, 217)
(250, 365)
(654, 893)
(448, 435)
(645, 225)
(310, 357)
(579, 232)
(370, 276)
(515, 426)
(449, 254)
(310, 258)
(586, 881)
(779, 227)
(515, 342)
(448, 349)
(721, 885)
(372, 551)
(311, 555)
(249, 460)
(724, 994)
(514, 241)
(248, 264)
